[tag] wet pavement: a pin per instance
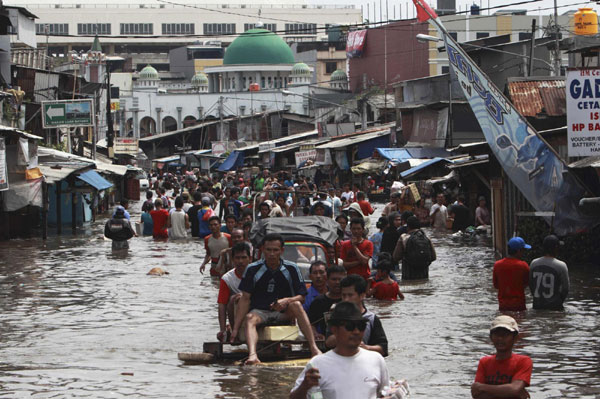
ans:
(77, 320)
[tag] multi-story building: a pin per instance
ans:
(517, 23)
(148, 30)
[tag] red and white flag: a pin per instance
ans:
(424, 12)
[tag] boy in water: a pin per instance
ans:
(505, 374)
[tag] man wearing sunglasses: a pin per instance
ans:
(354, 289)
(348, 371)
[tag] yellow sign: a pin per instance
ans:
(115, 105)
(414, 191)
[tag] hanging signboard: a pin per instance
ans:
(125, 145)
(218, 148)
(583, 112)
(303, 156)
(355, 43)
(3, 170)
(67, 113)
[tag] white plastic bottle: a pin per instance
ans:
(315, 392)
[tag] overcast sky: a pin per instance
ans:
(401, 7)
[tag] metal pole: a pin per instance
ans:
(109, 123)
(58, 186)
(450, 113)
(73, 210)
(531, 51)
(44, 210)
(557, 42)
(364, 104)
(221, 127)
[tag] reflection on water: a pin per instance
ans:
(74, 316)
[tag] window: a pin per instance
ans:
(137, 29)
(219, 29)
(178, 29)
(454, 35)
(330, 67)
(271, 27)
(52, 29)
(93, 29)
(524, 36)
(481, 35)
(304, 29)
(445, 69)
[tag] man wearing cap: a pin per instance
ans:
(118, 229)
(511, 276)
(549, 277)
(505, 374)
(348, 371)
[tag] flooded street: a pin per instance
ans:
(78, 321)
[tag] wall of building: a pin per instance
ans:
(390, 50)
(471, 27)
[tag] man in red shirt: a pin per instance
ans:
(511, 276)
(159, 219)
(505, 374)
(357, 251)
(365, 206)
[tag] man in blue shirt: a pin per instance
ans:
(318, 277)
(272, 291)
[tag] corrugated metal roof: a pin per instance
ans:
(354, 139)
(589, 162)
(533, 97)
(281, 140)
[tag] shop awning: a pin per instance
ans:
(92, 178)
(233, 161)
(170, 158)
(422, 166)
(394, 154)
(354, 139)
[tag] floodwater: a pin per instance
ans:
(78, 321)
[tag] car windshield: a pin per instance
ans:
(303, 255)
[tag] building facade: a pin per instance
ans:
(142, 28)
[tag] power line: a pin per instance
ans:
(309, 31)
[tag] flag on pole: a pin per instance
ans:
(424, 12)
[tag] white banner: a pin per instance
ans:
(583, 112)
(3, 170)
(124, 145)
(302, 156)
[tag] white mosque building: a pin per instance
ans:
(259, 74)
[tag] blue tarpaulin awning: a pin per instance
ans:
(422, 166)
(406, 153)
(394, 154)
(366, 148)
(233, 161)
(92, 178)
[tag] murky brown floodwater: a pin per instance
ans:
(74, 317)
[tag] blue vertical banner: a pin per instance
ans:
(530, 163)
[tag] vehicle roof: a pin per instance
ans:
(301, 228)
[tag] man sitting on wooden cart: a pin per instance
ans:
(272, 291)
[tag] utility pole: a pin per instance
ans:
(556, 42)
(221, 128)
(531, 51)
(110, 134)
(364, 104)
